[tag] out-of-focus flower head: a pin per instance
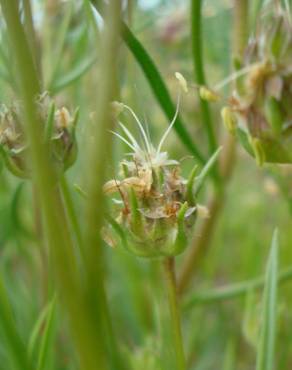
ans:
(59, 132)
(260, 109)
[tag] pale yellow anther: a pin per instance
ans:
(229, 119)
(208, 95)
(182, 81)
(117, 108)
(202, 211)
(63, 118)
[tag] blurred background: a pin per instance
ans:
(220, 334)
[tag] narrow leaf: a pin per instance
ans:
(45, 340)
(77, 72)
(205, 171)
(59, 42)
(12, 339)
(34, 336)
(266, 350)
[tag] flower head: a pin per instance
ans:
(59, 132)
(260, 108)
(157, 209)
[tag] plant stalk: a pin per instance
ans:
(69, 206)
(90, 343)
(170, 280)
(197, 52)
(203, 237)
(31, 36)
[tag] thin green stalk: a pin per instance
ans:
(31, 35)
(197, 52)
(233, 291)
(169, 272)
(100, 143)
(241, 16)
(157, 85)
(203, 237)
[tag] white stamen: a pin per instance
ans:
(140, 126)
(124, 140)
(170, 125)
(130, 136)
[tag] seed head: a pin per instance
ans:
(156, 211)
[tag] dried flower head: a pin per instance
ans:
(260, 106)
(59, 131)
(157, 207)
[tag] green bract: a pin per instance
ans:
(261, 102)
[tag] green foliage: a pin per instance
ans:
(68, 300)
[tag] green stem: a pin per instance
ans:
(241, 29)
(197, 52)
(90, 343)
(234, 290)
(99, 147)
(169, 271)
(69, 206)
(31, 35)
(203, 237)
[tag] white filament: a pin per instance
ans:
(140, 126)
(170, 125)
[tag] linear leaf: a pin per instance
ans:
(42, 321)
(7, 324)
(266, 349)
(205, 171)
(47, 334)
(77, 72)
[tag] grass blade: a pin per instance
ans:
(205, 171)
(47, 334)
(7, 324)
(59, 44)
(266, 350)
(44, 320)
(77, 72)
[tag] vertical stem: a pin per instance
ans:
(197, 52)
(100, 143)
(31, 35)
(240, 26)
(203, 237)
(170, 280)
(69, 206)
(86, 326)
